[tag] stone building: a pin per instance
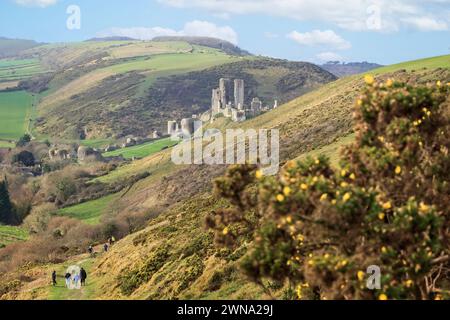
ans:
(239, 94)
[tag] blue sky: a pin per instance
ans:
(383, 31)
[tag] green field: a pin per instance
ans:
(15, 112)
(9, 234)
(19, 69)
(429, 63)
(143, 150)
(89, 212)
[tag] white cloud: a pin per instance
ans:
(36, 3)
(327, 38)
(329, 56)
(426, 24)
(193, 28)
(356, 15)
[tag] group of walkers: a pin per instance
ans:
(106, 246)
(73, 280)
(76, 279)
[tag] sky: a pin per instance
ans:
(381, 31)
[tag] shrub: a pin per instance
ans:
(133, 279)
(319, 227)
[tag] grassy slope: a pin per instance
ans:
(9, 234)
(90, 212)
(159, 65)
(15, 112)
(11, 70)
(143, 150)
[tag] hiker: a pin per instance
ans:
(76, 280)
(68, 277)
(111, 241)
(54, 278)
(83, 276)
(105, 247)
(91, 249)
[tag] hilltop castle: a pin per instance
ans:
(230, 102)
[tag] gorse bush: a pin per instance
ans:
(319, 228)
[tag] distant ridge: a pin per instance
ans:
(215, 43)
(342, 69)
(11, 47)
(113, 38)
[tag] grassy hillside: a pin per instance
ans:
(11, 70)
(10, 234)
(90, 212)
(174, 256)
(15, 113)
(143, 150)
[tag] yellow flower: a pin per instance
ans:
(317, 161)
(280, 198)
(389, 83)
(287, 191)
(369, 79)
(360, 102)
(353, 176)
(324, 197)
(438, 297)
(344, 184)
(347, 196)
(384, 250)
(398, 170)
(334, 201)
(226, 231)
(382, 297)
(289, 219)
(381, 216)
(326, 256)
(259, 174)
(304, 186)
(439, 83)
(423, 208)
(409, 283)
(361, 275)
(343, 173)
(387, 205)
(299, 292)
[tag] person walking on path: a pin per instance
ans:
(106, 247)
(54, 278)
(83, 277)
(91, 250)
(68, 277)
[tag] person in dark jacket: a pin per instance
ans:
(83, 276)
(106, 247)
(54, 278)
(68, 278)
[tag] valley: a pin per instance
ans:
(99, 94)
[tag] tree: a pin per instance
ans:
(24, 140)
(319, 228)
(24, 157)
(7, 215)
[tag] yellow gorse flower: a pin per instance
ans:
(369, 79)
(280, 198)
(347, 196)
(361, 275)
(226, 231)
(258, 174)
(389, 82)
(398, 170)
(304, 186)
(387, 205)
(382, 297)
(324, 197)
(287, 191)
